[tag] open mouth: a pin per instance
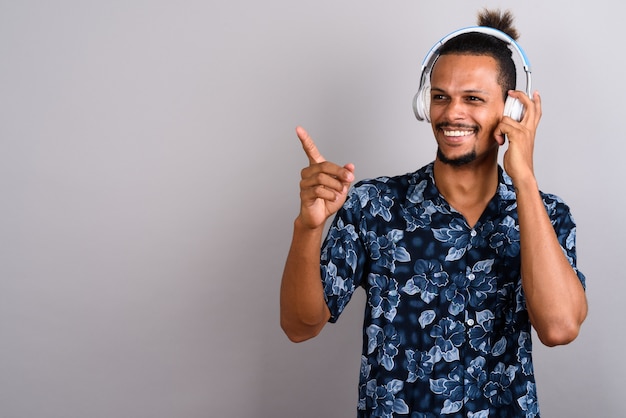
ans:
(457, 133)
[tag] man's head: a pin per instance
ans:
(469, 83)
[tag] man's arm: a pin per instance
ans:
(323, 190)
(555, 298)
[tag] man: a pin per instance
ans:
(457, 259)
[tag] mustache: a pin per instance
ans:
(456, 126)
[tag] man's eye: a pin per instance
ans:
(438, 97)
(474, 99)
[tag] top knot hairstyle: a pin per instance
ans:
(503, 21)
(476, 43)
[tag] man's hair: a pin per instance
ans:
(476, 43)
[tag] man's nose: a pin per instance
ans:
(455, 109)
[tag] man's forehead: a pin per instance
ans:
(480, 68)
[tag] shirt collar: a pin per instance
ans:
(422, 187)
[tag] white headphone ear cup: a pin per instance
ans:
(426, 101)
(514, 109)
(417, 106)
(421, 104)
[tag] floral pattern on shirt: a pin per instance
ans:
(446, 330)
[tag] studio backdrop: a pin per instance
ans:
(149, 175)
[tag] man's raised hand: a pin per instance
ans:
(518, 159)
(323, 185)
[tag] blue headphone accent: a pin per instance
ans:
(512, 107)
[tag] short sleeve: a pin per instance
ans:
(565, 228)
(342, 257)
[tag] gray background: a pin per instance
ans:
(149, 179)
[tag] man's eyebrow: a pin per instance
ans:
(440, 90)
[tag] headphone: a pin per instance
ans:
(512, 107)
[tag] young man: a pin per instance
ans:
(457, 259)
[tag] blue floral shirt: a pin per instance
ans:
(446, 331)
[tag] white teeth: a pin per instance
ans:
(457, 133)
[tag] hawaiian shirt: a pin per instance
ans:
(446, 331)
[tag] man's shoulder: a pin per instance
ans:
(556, 207)
(399, 182)
(507, 190)
(554, 204)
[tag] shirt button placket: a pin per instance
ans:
(470, 321)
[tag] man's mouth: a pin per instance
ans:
(450, 130)
(456, 133)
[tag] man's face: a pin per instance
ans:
(465, 108)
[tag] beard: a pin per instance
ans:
(463, 159)
(458, 161)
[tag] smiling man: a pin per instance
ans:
(458, 259)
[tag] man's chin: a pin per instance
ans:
(456, 161)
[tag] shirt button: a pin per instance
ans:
(473, 232)
(470, 322)
(471, 276)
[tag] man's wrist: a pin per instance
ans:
(525, 184)
(300, 225)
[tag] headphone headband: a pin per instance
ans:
(433, 55)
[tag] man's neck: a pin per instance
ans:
(467, 188)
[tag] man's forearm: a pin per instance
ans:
(303, 309)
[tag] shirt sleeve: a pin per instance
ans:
(343, 256)
(565, 228)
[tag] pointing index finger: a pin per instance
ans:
(309, 146)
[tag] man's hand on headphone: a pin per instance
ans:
(518, 159)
